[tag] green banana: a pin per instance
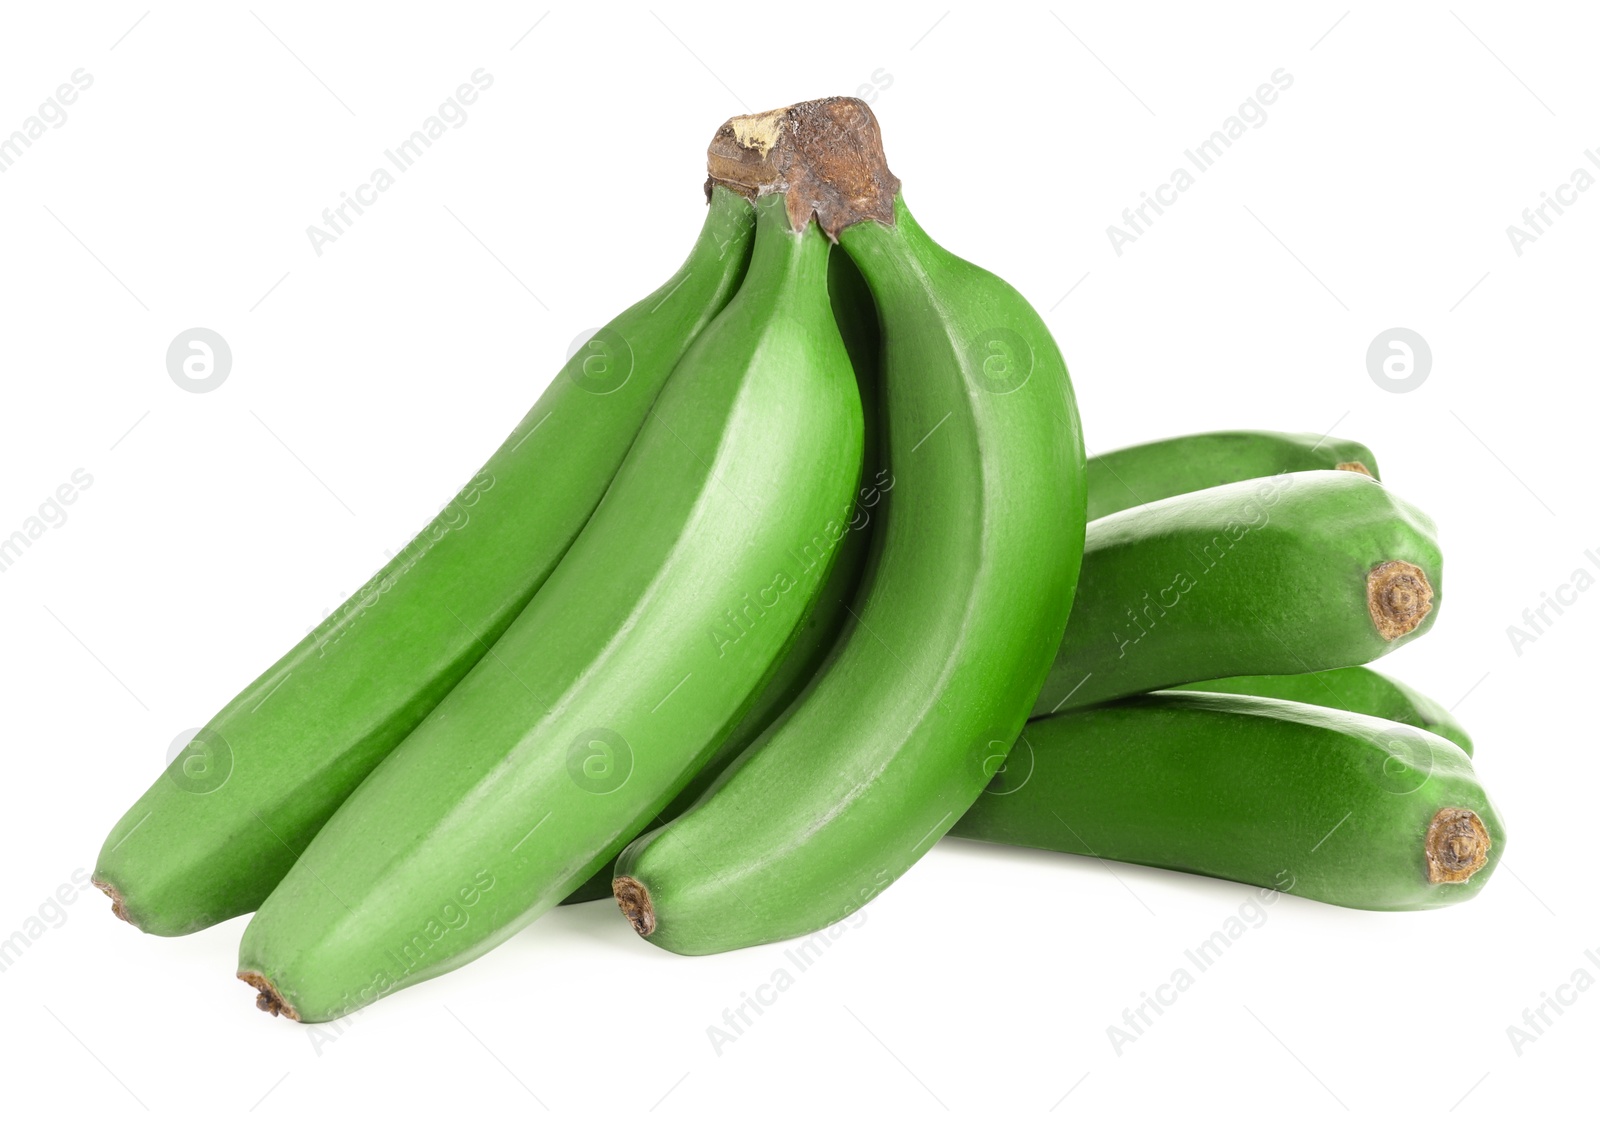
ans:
(607, 693)
(1321, 803)
(817, 631)
(1360, 690)
(1161, 469)
(1145, 473)
(222, 825)
(966, 592)
(858, 325)
(1302, 571)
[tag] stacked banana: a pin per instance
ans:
(753, 605)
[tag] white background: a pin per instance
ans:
(369, 382)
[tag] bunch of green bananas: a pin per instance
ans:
(751, 608)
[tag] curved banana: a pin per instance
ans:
(1145, 473)
(222, 825)
(1326, 804)
(1360, 690)
(858, 325)
(965, 596)
(1299, 572)
(604, 697)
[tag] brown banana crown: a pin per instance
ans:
(825, 156)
